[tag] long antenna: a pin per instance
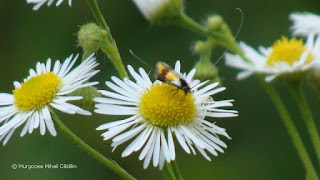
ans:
(131, 52)
(235, 36)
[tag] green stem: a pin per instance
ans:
(168, 172)
(97, 14)
(189, 23)
(85, 147)
(171, 171)
(292, 130)
(315, 83)
(224, 38)
(110, 48)
(86, 54)
(176, 170)
(297, 92)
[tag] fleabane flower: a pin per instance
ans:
(46, 88)
(161, 11)
(286, 58)
(304, 23)
(159, 112)
(39, 3)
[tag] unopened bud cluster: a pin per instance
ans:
(91, 37)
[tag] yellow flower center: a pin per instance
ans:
(164, 105)
(37, 92)
(288, 51)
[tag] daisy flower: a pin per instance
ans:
(305, 23)
(158, 112)
(45, 88)
(286, 58)
(39, 3)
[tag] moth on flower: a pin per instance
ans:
(157, 114)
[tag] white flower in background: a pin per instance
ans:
(285, 57)
(305, 23)
(39, 3)
(46, 87)
(158, 111)
(159, 10)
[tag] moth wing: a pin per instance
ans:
(161, 71)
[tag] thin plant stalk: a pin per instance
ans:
(292, 130)
(110, 48)
(171, 171)
(297, 92)
(176, 170)
(168, 172)
(88, 149)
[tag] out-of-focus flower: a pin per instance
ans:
(286, 58)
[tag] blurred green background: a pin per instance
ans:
(260, 148)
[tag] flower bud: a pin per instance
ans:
(215, 23)
(160, 11)
(202, 46)
(91, 37)
(205, 70)
(88, 93)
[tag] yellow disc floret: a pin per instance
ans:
(164, 105)
(288, 51)
(37, 92)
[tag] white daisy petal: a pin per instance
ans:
(182, 141)
(149, 154)
(147, 146)
(134, 143)
(304, 23)
(207, 88)
(6, 99)
(115, 110)
(171, 145)
(115, 123)
(117, 130)
(165, 147)
(190, 75)
(156, 151)
(42, 124)
(25, 128)
(113, 101)
(162, 159)
(177, 66)
(48, 121)
(144, 139)
(128, 134)
(5, 141)
(39, 3)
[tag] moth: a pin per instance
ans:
(166, 74)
